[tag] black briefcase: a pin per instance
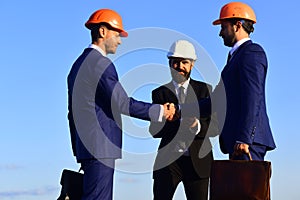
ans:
(72, 185)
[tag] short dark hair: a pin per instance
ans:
(246, 24)
(95, 30)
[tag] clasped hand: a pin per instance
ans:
(170, 113)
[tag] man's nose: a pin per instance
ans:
(119, 40)
(181, 65)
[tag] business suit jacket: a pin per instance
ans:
(244, 79)
(96, 101)
(169, 131)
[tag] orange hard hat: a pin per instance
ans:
(236, 10)
(108, 16)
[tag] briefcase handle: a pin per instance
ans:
(248, 154)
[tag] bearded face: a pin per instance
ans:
(228, 33)
(180, 69)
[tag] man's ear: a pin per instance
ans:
(193, 63)
(238, 25)
(102, 31)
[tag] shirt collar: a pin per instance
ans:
(185, 84)
(97, 48)
(237, 44)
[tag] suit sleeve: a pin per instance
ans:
(252, 73)
(113, 94)
(209, 124)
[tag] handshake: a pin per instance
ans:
(170, 112)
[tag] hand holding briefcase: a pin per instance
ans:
(72, 185)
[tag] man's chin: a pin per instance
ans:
(179, 79)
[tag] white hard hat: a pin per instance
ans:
(182, 49)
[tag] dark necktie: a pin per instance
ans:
(228, 57)
(181, 95)
(182, 147)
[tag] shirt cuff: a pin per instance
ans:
(161, 113)
(195, 130)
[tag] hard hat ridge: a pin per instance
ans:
(237, 10)
(108, 16)
(182, 49)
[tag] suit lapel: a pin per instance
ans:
(170, 93)
(238, 51)
(191, 92)
(236, 55)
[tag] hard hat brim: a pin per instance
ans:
(217, 22)
(123, 34)
(183, 57)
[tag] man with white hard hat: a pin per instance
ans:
(178, 157)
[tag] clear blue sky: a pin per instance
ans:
(41, 39)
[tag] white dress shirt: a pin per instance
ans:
(237, 45)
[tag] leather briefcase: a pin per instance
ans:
(72, 185)
(240, 180)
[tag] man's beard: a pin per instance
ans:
(229, 40)
(178, 78)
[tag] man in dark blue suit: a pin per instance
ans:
(96, 100)
(239, 98)
(246, 126)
